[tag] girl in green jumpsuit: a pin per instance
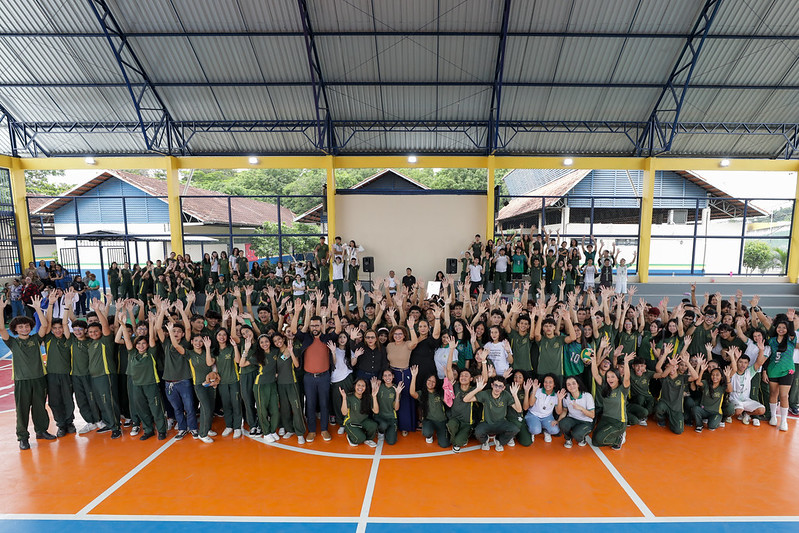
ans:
(227, 364)
(612, 426)
(385, 404)
(292, 417)
(355, 408)
(265, 388)
(249, 368)
(431, 401)
(201, 362)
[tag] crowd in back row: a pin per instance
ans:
(274, 348)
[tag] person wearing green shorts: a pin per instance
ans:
(145, 393)
(385, 404)
(28, 372)
(355, 407)
(778, 368)
(201, 363)
(434, 416)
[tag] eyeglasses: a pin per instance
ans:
(498, 386)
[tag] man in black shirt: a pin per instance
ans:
(409, 280)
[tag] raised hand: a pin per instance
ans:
(400, 387)
(206, 341)
(561, 394)
(375, 386)
(414, 370)
(514, 389)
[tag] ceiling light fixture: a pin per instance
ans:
(411, 159)
(568, 161)
(253, 160)
(90, 161)
(724, 162)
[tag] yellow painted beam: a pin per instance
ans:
(18, 193)
(173, 199)
(490, 214)
(6, 161)
(793, 256)
(645, 229)
(331, 207)
(423, 161)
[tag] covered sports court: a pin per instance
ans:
(175, 85)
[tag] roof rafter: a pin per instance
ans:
(325, 134)
(492, 140)
(662, 125)
(18, 133)
(146, 100)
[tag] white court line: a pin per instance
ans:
(402, 519)
(124, 479)
(338, 455)
(623, 482)
(7, 387)
(8, 411)
(370, 489)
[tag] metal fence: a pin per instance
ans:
(9, 243)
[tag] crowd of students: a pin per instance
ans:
(286, 352)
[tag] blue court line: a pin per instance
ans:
(596, 527)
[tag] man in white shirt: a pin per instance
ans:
(741, 381)
(501, 271)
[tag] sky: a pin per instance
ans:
(737, 184)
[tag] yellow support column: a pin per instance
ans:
(645, 229)
(18, 193)
(490, 214)
(331, 205)
(173, 198)
(793, 256)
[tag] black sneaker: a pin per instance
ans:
(116, 434)
(162, 436)
(146, 436)
(662, 423)
(62, 432)
(181, 433)
(24, 444)
(45, 435)
(104, 429)
(616, 447)
(794, 411)
(72, 429)
(127, 423)
(698, 429)
(195, 434)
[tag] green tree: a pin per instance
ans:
(269, 246)
(781, 257)
(42, 182)
(758, 255)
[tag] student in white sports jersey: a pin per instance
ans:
(499, 350)
(542, 401)
(741, 381)
(392, 282)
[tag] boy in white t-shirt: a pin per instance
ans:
(741, 382)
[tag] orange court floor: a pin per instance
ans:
(738, 477)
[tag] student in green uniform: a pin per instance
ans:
(28, 372)
(385, 404)
(550, 345)
(145, 393)
(519, 337)
(103, 370)
(575, 411)
(224, 265)
(518, 260)
(611, 430)
(496, 403)
(114, 279)
(265, 388)
(177, 373)
(292, 417)
(201, 363)
(247, 373)
(227, 359)
(460, 420)
(640, 394)
(352, 275)
(779, 367)
(523, 436)
(356, 407)
(126, 282)
(673, 381)
(713, 391)
(59, 382)
(431, 402)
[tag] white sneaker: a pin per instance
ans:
(281, 431)
(170, 423)
(134, 431)
(340, 430)
(212, 433)
(582, 443)
(101, 424)
(745, 419)
(207, 439)
(532, 439)
(728, 419)
(547, 437)
(642, 422)
(485, 446)
(284, 434)
(350, 442)
(267, 437)
(237, 434)
(499, 447)
(772, 421)
(87, 429)
(568, 443)
(511, 443)
(722, 424)
(784, 425)
(227, 432)
(429, 440)
(624, 437)
(300, 439)
(275, 437)
(370, 443)
(756, 422)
